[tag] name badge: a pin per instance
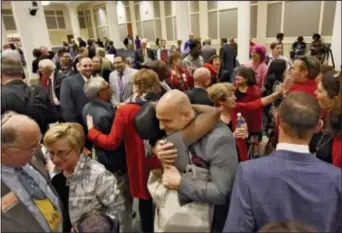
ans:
(8, 202)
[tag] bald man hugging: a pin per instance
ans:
(216, 151)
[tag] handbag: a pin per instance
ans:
(170, 215)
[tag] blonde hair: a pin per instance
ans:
(72, 132)
(220, 92)
(146, 81)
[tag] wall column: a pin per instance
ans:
(336, 37)
(133, 19)
(243, 31)
(75, 24)
(4, 38)
(262, 21)
(163, 20)
(113, 26)
(93, 22)
(182, 20)
(30, 39)
(203, 19)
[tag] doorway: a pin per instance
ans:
(129, 29)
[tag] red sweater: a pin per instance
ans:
(244, 107)
(253, 118)
(308, 86)
(337, 152)
(138, 167)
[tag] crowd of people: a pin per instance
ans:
(181, 130)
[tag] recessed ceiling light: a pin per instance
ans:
(45, 3)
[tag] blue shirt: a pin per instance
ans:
(10, 178)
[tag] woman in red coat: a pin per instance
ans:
(328, 144)
(223, 97)
(179, 77)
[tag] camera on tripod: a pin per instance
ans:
(326, 53)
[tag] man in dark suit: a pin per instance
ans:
(207, 50)
(228, 56)
(291, 183)
(22, 184)
(202, 80)
(144, 55)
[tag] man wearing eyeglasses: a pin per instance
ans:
(27, 199)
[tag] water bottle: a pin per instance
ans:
(240, 122)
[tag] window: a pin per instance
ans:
(168, 8)
(137, 11)
(128, 14)
(170, 29)
(273, 19)
(7, 16)
(55, 19)
(156, 7)
(212, 24)
(82, 20)
(328, 18)
(228, 29)
(254, 21)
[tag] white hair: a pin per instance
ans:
(46, 63)
(144, 40)
(93, 86)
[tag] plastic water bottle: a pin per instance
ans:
(240, 122)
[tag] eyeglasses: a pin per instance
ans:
(61, 154)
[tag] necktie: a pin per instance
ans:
(30, 185)
(121, 86)
(49, 86)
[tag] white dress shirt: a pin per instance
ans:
(303, 149)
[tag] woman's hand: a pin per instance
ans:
(241, 132)
(90, 122)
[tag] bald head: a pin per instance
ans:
(174, 111)
(174, 99)
(202, 77)
(14, 125)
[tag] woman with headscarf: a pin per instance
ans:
(257, 63)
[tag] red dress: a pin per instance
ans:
(244, 107)
(253, 118)
(138, 166)
(182, 83)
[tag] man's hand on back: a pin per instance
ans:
(165, 151)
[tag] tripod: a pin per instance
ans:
(326, 54)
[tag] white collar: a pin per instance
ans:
(303, 149)
(86, 79)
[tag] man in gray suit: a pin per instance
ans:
(23, 186)
(207, 50)
(216, 152)
(120, 80)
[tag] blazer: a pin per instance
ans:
(138, 166)
(73, 99)
(128, 86)
(286, 185)
(139, 57)
(207, 52)
(103, 115)
(224, 76)
(60, 75)
(199, 95)
(228, 57)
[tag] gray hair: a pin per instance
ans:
(11, 67)
(200, 72)
(93, 86)
(207, 42)
(46, 63)
(100, 52)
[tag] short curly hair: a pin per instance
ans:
(220, 91)
(146, 81)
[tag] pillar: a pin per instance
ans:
(4, 39)
(262, 21)
(75, 24)
(163, 19)
(133, 19)
(33, 30)
(336, 37)
(203, 18)
(243, 31)
(182, 21)
(94, 28)
(113, 26)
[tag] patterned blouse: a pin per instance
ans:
(92, 187)
(182, 80)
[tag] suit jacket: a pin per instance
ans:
(103, 115)
(73, 99)
(139, 57)
(207, 52)
(123, 129)
(60, 75)
(128, 86)
(19, 218)
(224, 76)
(217, 149)
(228, 57)
(199, 95)
(286, 185)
